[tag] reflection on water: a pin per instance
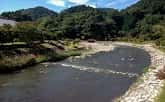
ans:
(104, 76)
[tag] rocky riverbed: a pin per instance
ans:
(99, 77)
(148, 86)
(113, 71)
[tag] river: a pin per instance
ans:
(97, 78)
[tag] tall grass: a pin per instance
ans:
(8, 64)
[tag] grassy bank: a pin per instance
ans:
(64, 55)
(19, 58)
(161, 97)
(9, 64)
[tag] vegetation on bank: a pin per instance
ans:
(161, 98)
(19, 58)
(10, 64)
(13, 63)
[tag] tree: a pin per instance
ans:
(6, 34)
(28, 32)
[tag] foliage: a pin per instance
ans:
(161, 97)
(83, 22)
(143, 21)
(24, 32)
(31, 14)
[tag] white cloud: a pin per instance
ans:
(92, 3)
(120, 2)
(94, 6)
(57, 2)
(116, 2)
(62, 3)
(79, 1)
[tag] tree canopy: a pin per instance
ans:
(144, 20)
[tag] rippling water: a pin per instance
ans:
(97, 78)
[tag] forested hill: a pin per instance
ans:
(31, 14)
(144, 21)
(147, 11)
(149, 6)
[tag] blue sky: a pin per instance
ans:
(58, 5)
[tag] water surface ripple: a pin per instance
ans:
(97, 78)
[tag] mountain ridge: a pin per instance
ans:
(30, 14)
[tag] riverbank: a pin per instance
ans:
(97, 47)
(148, 86)
(16, 58)
(146, 89)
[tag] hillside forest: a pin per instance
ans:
(143, 21)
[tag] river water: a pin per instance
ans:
(97, 78)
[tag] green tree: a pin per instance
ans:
(28, 32)
(6, 34)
